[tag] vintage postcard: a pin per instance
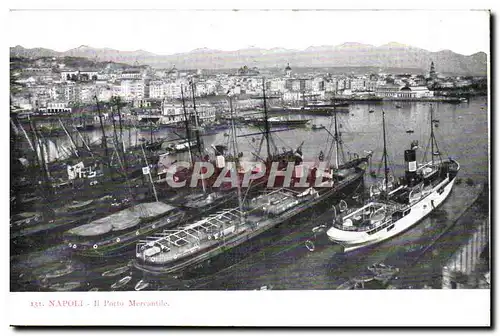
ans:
(249, 167)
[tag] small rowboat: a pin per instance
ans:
(122, 282)
(141, 285)
(116, 271)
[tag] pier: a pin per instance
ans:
(463, 268)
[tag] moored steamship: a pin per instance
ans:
(422, 190)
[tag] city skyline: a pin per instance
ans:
(187, 30)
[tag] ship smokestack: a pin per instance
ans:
(411, 165)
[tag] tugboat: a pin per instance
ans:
(424, 188)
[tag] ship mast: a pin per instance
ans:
(432, 135)
(235, 155)
(196, 121)
(113, 121)
(75, 149)
(336, 140)
(386, 172)
(118, 105)
(47, 190)
(119, 146)
(266, 121)
(104, 144)
(197, 132)
(149, 172)
(150, 125)
(186, 124)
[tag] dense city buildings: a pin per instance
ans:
(47, 81)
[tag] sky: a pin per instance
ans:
(174, 31)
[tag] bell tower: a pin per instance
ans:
(288, 71)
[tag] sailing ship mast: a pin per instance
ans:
(151, 139)
(69, 137)
(149, 172)
(198, 139)
(386, 171)
(104, 144)
(235, 155)
(196, 121)
(336, 137)
(118, 106)
(26, 135)
(432, 135)
(41, 160)
(266, 121)
(186, 124)
(114, 129)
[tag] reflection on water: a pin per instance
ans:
(285, 262)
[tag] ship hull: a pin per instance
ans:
(287, 123)
(120, 244)
(418, 212)
(252, 240)
(128, 240)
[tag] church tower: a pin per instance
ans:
(288, 71)
(432, 72)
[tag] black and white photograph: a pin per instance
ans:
(162, 152)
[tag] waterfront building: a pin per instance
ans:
(55, 107)
(358, 84)
(396, 91)
(141, 103)
(387, 90)
(370, 85)
(174, 113)
(318, 84)
(292, 96)
(330, 86)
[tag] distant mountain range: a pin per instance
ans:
(391, 55)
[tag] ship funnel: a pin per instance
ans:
(411, 165)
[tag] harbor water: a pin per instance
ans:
(284, 263)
